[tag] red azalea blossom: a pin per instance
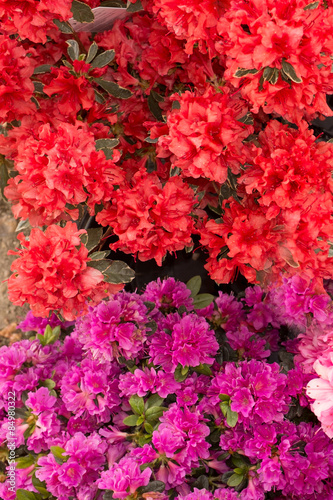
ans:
(60, 166)
(73, 92)
(51, 272)
(205, 134)
(290, 169)
(16, 87)
(260, 37)
(244, 239)
(33, 19)
(149, 219)
(191, 20)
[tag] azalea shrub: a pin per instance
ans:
(181, 122)
(154, 396)
(178, 126)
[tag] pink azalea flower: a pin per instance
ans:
(321, 390)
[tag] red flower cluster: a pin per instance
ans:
(194, 94)
(191, 20)
(285, 220)
(150, 219)
(16, 88)
(51, 273)
(279, 54)
(206, 134)
(290, 170)
(58, 167)
(32, 19)
(72, 88)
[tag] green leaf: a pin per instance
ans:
(142, 440)
(202, 482)
(239, 471)
(40, 486)
(101, 265)
(118, 272)
(246, 119)
(82, 12)
(108, 495)
(106, 145)
(134, 7)
(154, 413)
(311, 6)
(232, 417)
(235, 480)
(23, 224)
(203, 300)
(194, 284)
(58, 454)
(99, 255)
(175, 105)
(148, 428)
(154, 106)
(151, 141)
(243, 72)
(131, 420)
(50, 335)
(44, 68)
(240, 461)
(84, 238)
(113, 89)
(4, 174)
(141, 419)
(178, 374)
(94, 237)
(21, 413)
(25, 495)
(157, 486)
(151, 327)
(63, 26)
(154, 400)
(103, 59)
(98, 97)
(150, 305)
(73, 49)
(137, 404)
(93, 49)
(185, 370)
(224, 397)
(290, 72)
(24, 462)
(29, 431)
(41, 339)
(39, 88)
(49, 383)
(271, 75)
(224, 407)
(204, 369)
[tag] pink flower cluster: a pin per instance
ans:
(121, 407)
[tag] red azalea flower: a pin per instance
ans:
(205, 134)
(149, 219)
(73, 92)
(290, 169)
(16, 87)
(51, 272)
(283, 51)
(33, 19)
(191, 20)
(59, 166)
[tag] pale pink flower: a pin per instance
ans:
(321, 390)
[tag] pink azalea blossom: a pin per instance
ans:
(321, 390)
